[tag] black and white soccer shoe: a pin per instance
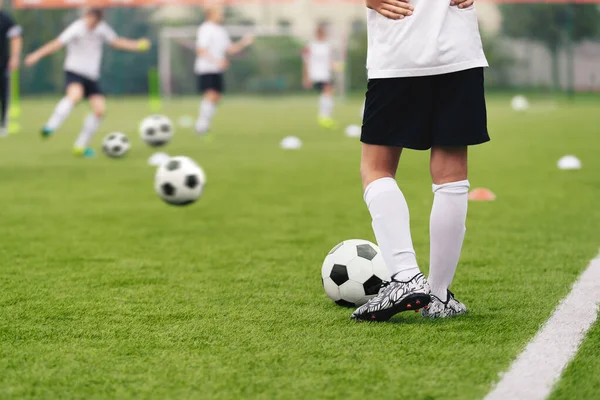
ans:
(444, 309)
(394, 297)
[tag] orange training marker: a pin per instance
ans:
(482, 194)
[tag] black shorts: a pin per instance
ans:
(214, 82)
(90, 87)
(421, 112)
(319, 86)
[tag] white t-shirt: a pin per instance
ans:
(84, 47)
(319, 56)
(215, 40)
(437, 39)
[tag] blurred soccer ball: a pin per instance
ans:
(352, 272)
(519, 103)
(115, 145)
(179, 181)
(156, 130)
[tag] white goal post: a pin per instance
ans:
(169, 36)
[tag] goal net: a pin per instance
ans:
(273, 64)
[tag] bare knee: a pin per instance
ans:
(74, 93)
(378, 162)
(448, 164)
(213, 96)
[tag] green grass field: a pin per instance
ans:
(107, 292)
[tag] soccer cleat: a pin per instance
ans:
(439, 309)
(327, 123)
(395, 297)
(86, 153)
(46, 132)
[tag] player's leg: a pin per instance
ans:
(211, 87)
(459, 121)
(74, 94)
(4, 102)
(447, 226)
(326, 104)
(408, 289)
(90, 125)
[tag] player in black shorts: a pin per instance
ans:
(213, 48)
(425, 92)
(10, 55)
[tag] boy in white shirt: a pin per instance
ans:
(318, 74)
(425, 66)
(213, 47)
(84, 40)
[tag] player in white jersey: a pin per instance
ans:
(213, 47)
(84, 40)
(318, 73)
(425, 67)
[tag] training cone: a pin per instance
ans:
(569, 162)
(519, 103)
(481, 194)
(291, 143)
(157, 159)
(353, 131)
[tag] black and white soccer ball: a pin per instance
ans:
(179, 181)
(115, 145)
(353, 272)
(157, 130)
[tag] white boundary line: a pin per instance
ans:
(535, 371)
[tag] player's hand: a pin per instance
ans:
(462, 3)
(306, 83)
(144, 44)
(392, 9)
(223, 64)
(247, 40)
(31, 60)
(13, 63)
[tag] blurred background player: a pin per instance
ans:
(85, 40)
(213, 46)
(318, 74)
(10, 55)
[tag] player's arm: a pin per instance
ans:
(305, 78)
(15, 33)
(44, 51)
(136, 45)
(240, 45)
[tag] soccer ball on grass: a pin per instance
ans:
(156, 130)
(179, 181)
(116, 145)
(352, 272)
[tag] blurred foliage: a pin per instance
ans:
(553, 25)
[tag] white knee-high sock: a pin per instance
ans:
(446, 231)
(325, 106)
(391, 224)
(208, 109)
(90, 126)
(61, 112)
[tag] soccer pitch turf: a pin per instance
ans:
(107, 292)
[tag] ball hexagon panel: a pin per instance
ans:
(332, 290)
(192, 181)
(353, 292)
(339, 274)
(172, 165)
(345, 253)
(345, 303)
(360, 269)
(165, 128)
(380, 268)
(150, 131)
